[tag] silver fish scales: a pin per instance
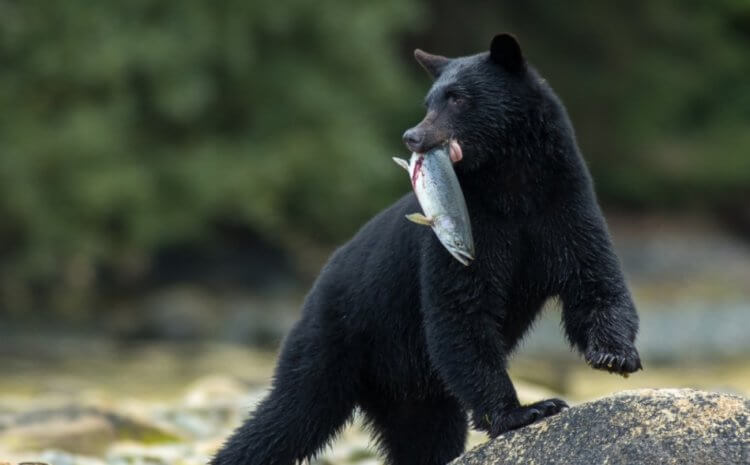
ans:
(439, 194)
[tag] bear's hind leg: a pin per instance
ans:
(311, 400)
(419, 432)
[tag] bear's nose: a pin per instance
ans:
(413, 138)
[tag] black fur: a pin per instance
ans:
(397, 327)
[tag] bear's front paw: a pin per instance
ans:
(614, 361)
(519, 417)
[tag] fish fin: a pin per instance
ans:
(419, 219)
(402, 163)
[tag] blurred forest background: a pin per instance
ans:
(178, 171)
(146, 141)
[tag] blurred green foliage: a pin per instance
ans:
(130, 125)
(658, 91)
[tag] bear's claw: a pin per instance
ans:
(525, 415)
(614, 363)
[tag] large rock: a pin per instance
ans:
(650, 426)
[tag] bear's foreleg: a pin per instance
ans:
(467, 350)
(598, 312)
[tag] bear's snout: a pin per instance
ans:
(414, 139)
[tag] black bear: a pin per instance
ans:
(398, 328)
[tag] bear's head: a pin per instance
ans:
(486, 102)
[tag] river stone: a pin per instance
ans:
(648, 426)
(76, 429)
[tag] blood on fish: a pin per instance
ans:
(417, 167)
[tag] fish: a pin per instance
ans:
(439, 194)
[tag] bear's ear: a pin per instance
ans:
(506, 52)
(433, 64)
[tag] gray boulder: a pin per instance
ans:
(648, 426)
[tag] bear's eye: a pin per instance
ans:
(454, 99)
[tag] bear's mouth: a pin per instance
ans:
(454, 149)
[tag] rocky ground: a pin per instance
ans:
(146, 411)
(160, 404)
